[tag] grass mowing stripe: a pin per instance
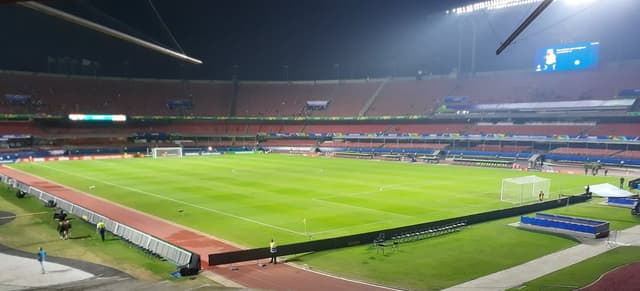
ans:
(280, 190)
(178, 201)
(362, 208)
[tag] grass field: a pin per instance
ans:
(249, 199)
(34, 227)
(476, 251)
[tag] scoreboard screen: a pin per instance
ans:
(569, 57)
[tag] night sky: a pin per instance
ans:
(304, 39)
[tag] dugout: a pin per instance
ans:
(566, 224)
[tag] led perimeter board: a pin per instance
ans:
(98, 117)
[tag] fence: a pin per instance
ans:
(171, 253)
(369, 237)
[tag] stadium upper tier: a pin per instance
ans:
(65, 94)
(204, 128)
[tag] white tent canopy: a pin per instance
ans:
(608, 190)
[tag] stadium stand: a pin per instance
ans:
(351, 144)
(416, 145)
(585, 151)
(346, 128)
(501, 148)
(289, 99)
(615, 129)
(289, 143)
(196, 128)
(407, 97)
(627, 154)
(264, 102)
(529, 129)
(62, 94)
(348, 98)
(284, 128)
(66, 94)
(428, 128)
(12, 127)
(531, 87)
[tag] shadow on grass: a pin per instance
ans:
(561, 235)
(298, 257)
(37, 243)
(79, 237)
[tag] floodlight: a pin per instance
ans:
(490, 5)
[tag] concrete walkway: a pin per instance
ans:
(21, 270)
(23, 273)
(539, 267)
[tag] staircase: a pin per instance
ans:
(372, 99)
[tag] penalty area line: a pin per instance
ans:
(177, 201)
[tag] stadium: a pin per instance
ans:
(320, 145)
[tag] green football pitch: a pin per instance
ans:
(248, 199)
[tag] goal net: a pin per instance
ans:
(524, 189)
(166, 152)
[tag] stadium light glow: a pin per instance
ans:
(502, 4)
(490, 5)
(578, 2)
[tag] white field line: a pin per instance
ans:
(341, 278)
(361, 208)
(381, 189)
(244, 171)
(355, 226)
(241, 171)
(322, 199)
(175, 200)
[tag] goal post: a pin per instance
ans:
(165, 152)
(524, 189)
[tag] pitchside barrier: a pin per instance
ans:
(171, 253)
(369, 237)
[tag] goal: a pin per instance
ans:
(524, 189)
(165, 152)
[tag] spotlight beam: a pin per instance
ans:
(106, 30)
(524, 25)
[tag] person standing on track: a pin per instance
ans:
(273, 250)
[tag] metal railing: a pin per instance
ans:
(154, 245)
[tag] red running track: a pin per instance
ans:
(272, 277)
(625, 278)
